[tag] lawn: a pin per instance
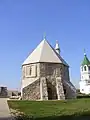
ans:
(78, 109)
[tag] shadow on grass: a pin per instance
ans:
(5, 118)
(57, 118)
(67, 117)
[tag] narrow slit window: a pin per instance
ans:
(30, 71)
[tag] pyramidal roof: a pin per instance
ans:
(44, 52)
(85, 61)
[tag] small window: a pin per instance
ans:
(84, 68)
(82, 89)
(89, 76)
(30, 71)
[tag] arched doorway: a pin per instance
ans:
(49, 93)
(51, 89)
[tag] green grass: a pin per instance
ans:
(78, 109)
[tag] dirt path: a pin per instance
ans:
(4, 110)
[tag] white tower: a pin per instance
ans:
(85, 76)
(57, 48)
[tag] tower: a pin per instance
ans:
(85, 75)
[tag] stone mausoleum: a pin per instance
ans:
(45, 75)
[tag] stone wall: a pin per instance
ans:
(60, 89)
(43, 88)
(32, 91)
(70, 91)
(55, 74)
(48, 82)
(54, 70)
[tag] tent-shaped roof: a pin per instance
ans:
(85, 61)
(44, 52)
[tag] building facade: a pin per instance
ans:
(45, 75)
(3, 92)
(85, 76)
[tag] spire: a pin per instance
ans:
(84, 52)
(44, 36)
(85, 60)
(57, 48)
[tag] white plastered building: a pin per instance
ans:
(85, 76)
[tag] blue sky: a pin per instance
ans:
(22, 24)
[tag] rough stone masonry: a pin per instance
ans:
(45, 75)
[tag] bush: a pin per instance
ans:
(83, 95)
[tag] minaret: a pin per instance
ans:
(57, 48)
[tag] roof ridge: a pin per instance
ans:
(58, 55)
(42, 49)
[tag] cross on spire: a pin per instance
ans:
(44, 36)
(84, 52)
